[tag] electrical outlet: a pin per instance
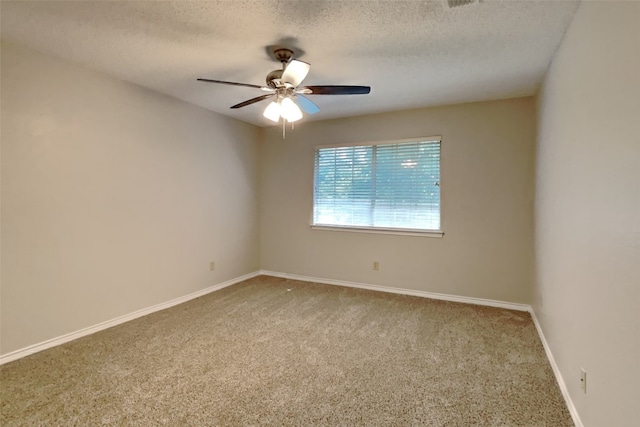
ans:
(212, 266)
(376, 265)
(583, 380)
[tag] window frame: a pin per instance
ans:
(380, 230)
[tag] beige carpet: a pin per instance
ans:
(276, 352)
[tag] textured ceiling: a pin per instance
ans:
(412, 53)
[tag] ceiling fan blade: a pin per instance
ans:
(253, 100)
(307, 105)
(295, 72)
(234, 84)
(335, 90)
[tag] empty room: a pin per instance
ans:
(332, 213)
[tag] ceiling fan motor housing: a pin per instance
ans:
(274, 75)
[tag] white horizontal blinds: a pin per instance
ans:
(407, 186)
(343, 186)
(382, 186)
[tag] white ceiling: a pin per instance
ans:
(412, 53)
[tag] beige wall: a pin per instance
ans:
(114, 198)
(487, 196)
(588, 211)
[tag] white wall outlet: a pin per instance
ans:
(583, 380)
(376, 265)
(212, 266)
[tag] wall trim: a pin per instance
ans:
(35, 348)
(403, 291)
(556, 371)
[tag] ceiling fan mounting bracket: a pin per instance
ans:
(282, 54)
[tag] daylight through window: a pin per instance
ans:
(381, 186)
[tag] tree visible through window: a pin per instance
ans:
(386, 186)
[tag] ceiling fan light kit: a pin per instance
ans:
(272, 112)
(285, 108)
(284, 84)
(289, 110)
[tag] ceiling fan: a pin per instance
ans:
(284, 86)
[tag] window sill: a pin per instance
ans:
(396, 231)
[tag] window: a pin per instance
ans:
(392, 187)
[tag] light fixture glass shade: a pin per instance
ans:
(272, 112)
(289, 110)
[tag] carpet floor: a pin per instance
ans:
(271, 351)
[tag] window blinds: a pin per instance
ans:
(395, 186)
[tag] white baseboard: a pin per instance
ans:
(18, 354)
(556, 372)
(402, 291)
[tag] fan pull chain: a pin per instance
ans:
(284, 127)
